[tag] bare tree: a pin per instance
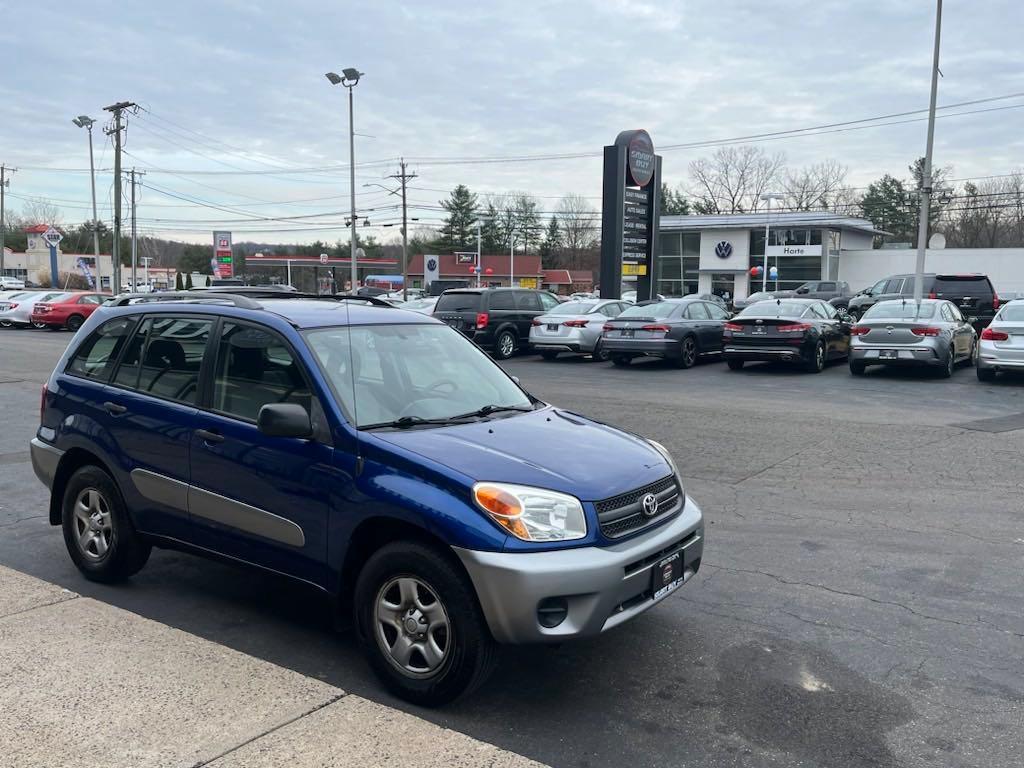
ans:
(814, 187)
(578, 221)
(733, 179)
(39, 210)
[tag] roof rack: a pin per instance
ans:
(246, 299)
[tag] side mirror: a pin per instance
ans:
(803, 290)
(972, 320)
(515, 379)
(284, 420)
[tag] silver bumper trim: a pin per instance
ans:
(45, 459)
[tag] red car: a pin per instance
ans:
(67, 311)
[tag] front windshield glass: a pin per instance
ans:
(899, 310)
(775, 309)
(382, 373)
(573, 308)
(656, 311)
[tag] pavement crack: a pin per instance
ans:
(65, 599)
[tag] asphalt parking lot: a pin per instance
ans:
(859, 601)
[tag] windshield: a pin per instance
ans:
(573, 308)
(898, 310)
(656, 311)
(759, 296)
(458, 302)
(773, 309)
(421, 371)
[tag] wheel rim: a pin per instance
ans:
(689, 352)
(819, 356)
(75, 323)
(951, 362)
(506, 345)
(38, 326)
(93, 524)
(412, 627)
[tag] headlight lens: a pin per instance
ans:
(532, 514)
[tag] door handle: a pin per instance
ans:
(210, 437)
(114, 409)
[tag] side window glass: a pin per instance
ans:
(255, 367)
(528, 300)
(502, 300)
(878, 287)
(96, 356)
(826, 287)
(127, 374)
(548, 301)
(893, 286)
(165, 357)
(89, 300)
(717, 313)
(695, 311)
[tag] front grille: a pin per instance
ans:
(623, 514)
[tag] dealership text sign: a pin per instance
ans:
(223, 263)
(794, 250)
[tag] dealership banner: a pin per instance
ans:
(86, 272)
(223, 264)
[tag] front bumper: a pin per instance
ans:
(652, 347)
(45, 459)
(602, 586)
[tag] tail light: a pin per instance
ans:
(42, 403)
(575, 323)
(794, 328)
(12, 306)
(995, 301)
(481, 320)
(655, 327)
(859, 330)
(535, 321)
(990, 334)
(42, 308)
(925, 330)
(732, 327)
(932, 295)
(607, 327)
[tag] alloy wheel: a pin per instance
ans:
(689, 353)
(506, 345)
(93, 525)
(412, 627)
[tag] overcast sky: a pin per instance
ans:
(462, 80)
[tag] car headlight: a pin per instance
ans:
(532, 514)
(666, 455)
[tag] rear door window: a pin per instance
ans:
(502, 300)
(893, 286)
(96, 356)
(458, 302)
(827, 287)
(548, 301)
(528, 301)
(695, 311)
(164, 357)
(716, 312)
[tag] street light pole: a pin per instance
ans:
(926, 176)
(478, 241)
(349, 78)
(768, 197)
(84, 121)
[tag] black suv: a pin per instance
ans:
(973, 294)
(826, 290)
(496, 319)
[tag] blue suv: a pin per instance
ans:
(373, 453)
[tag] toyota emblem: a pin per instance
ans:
(650, 505)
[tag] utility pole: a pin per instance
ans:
(4, 183)
(926, 176)
(117, 110)
(135, 250)
(403, 178)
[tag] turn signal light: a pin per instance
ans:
(481, 320)
(794, 328)
(732, 327)
(504, 508)
(990, 334)
(859, 330)
(575, 323)
(995, 301)
(925, 331)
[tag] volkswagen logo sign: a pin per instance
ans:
(431, 265)
(723, 250)
(650, 505)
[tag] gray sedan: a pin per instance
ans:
(17, 312)
(1002, 344)
(574, 326)
(753, 298)
(901, 333)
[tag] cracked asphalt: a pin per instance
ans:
(859, 602)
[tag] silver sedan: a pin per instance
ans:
(17, 312)
(574, 326)
(1002, 344)
(900, 333)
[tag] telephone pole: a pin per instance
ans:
(135, 250)
(4, 183)
(926, 175)
(404, 177)
(118, 111)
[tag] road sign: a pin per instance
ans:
(52, 237)
(323, 258)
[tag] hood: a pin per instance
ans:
(549, 448)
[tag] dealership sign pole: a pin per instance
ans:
(630, 214)
(52, 239)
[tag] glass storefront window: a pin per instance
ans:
(678, 276)
(691, 244)
(670, 244)
(723, 285)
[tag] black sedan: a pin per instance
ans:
(805, 331)
(679, 330)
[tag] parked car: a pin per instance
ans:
(1001, 347)
(972, 294)
(826, 290)
(18, 312)
(679, 330)
(574, 326)
(369, 290)
(740, 304)
(496, 319)
(67, 310)
(8, 283)
(899, 332)
(714, 298)
(424, 306)
(374, 454)
(806, 331)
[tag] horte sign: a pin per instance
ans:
(794, 250)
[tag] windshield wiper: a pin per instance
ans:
(487, 410)
(404, 422)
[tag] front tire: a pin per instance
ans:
(505, 345)
(549, 354)
(98, 532)
(857, 367)
(734, 364)
(420, 624)
(687, 353)
(622, 361)
(985, 374)
(599, 355)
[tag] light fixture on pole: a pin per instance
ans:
(84, 121)
(767, 197)
(349, 78)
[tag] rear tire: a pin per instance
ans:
(687, 353)
(505, 345)
(817, 363)
(599, 355)
(98, 532)
(449, 650)
(985, 374)
(734, 365)
(549, 355)
(621, 360)
(74, 322)
(857, 368)
(946, 371)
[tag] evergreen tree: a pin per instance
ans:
(552, 243)
(207, 281)
(188, 282)
(491, 240)
(459, 230)
(673, 202)
(527, 223)
(178, 285)
(886, 205)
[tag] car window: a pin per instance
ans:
(96, 356)
(501, 300)
(458, 302)
(695, 311)
(657, 311)
(878, 287)
(827, 287)
(717, 313)
(816, 311)
(574, 308)
(1011, 313)
(164, 357)
(548, 301)
(829, 310)
(90, 298)
(613, 309)
(528, 300)
(893, 286)
(255, 367)
(900, 310)
(968, 285)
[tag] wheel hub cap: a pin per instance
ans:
(412, 627)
